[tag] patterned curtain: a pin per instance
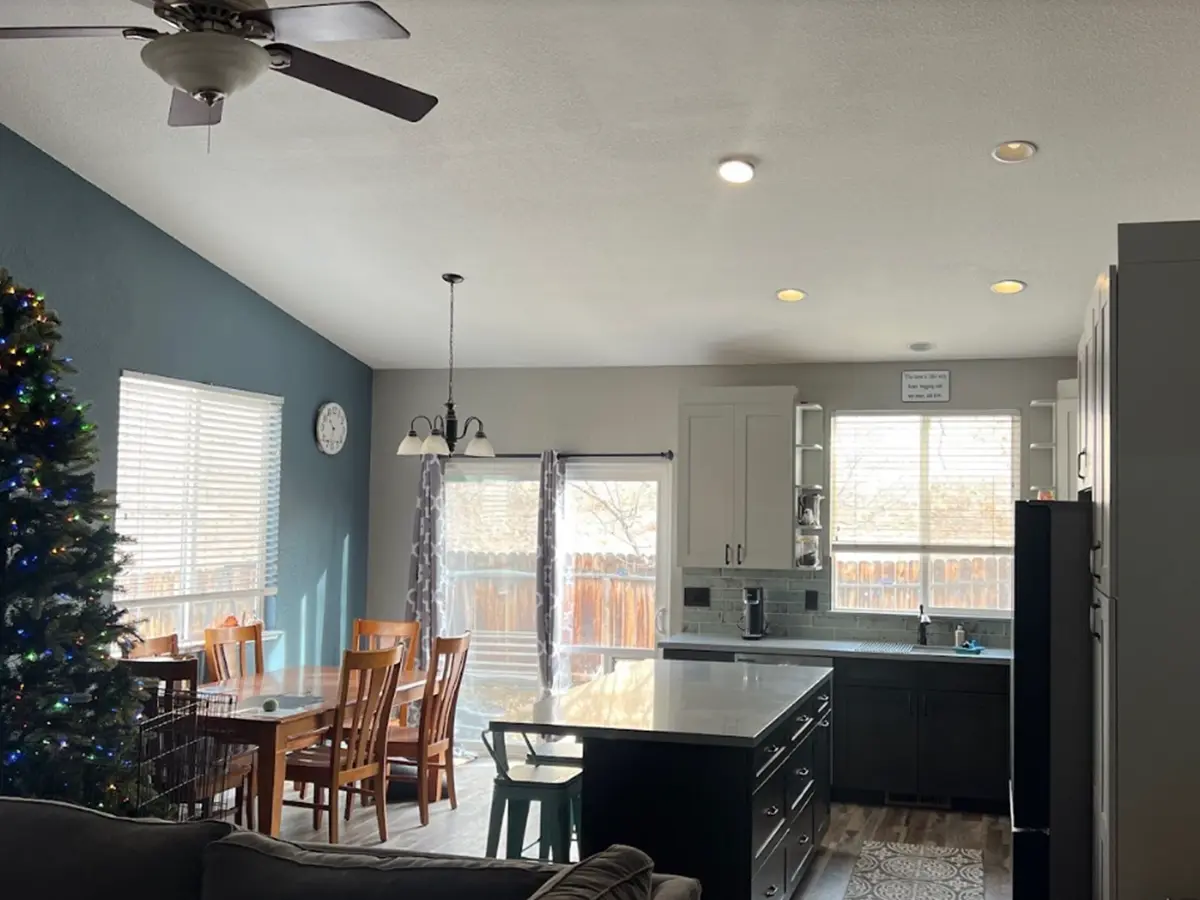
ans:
(550, 497)
(426, 571)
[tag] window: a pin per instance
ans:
(611, 533)
(489, 533)
(922, 511)
(198, 494)
(614, 548)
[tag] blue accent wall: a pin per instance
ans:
(131, 297)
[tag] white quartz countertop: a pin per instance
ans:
(805, 647)
(682, 701)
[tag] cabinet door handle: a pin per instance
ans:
(739, 555)
(771, 891)
(925, 704)
(772, 749)
(726, 554)
(771, 811)
(1079, 458)
(1092, 561)
(803, 773)
(824, 698)
(910, 704)
(824, 723)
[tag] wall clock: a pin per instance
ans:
(331, 428)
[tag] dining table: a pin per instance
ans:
(305, 701)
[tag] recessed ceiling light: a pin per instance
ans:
(920, 347)
(790, 295)
(736, 171)
(1008, 286)
(1014, 151)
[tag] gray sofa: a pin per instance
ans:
(67, 848)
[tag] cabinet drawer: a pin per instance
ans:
(768, 812)
(799, 779)
(798, 847)
(876, 672)
(976, 678)
(771, 879)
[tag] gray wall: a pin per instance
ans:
(133, 298)
(634, 410)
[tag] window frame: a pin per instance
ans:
(186, 602)
(925, 552)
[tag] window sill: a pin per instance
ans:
(938, 615)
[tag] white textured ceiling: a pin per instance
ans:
(569, 172)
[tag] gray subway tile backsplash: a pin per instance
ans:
(788, 617)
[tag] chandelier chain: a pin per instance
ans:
(451, 392)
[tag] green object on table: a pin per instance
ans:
(270, 704)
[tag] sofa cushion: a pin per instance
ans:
(44, 842)
(618, 873)
(246, 866)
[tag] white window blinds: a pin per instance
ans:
(924, 482)
(197, 491)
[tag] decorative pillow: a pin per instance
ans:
(618, 873)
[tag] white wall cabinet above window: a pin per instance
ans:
(735, 477)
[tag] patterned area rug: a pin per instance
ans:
(887, 871)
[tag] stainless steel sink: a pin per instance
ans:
(897, 647)
(943, 651)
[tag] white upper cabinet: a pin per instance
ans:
(734, 477)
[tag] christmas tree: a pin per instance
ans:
(68, 711)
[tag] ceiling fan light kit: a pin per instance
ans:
(213, 52)
(209, 66)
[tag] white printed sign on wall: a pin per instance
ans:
(926, 386)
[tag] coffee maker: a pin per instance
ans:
(754, 618)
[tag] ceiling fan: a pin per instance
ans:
(218, 47)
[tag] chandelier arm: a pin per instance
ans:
(466, 425)
(438, 424)
(413, 425)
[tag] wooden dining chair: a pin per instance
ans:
(357, 742)
(218, 642)
(164, 645)
(379, 634)
(430, 746)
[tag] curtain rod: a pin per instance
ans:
(662, 454)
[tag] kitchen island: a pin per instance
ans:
(718, 770)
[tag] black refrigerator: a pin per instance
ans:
(1050, 759)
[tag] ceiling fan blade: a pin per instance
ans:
(70, 31)
(357, 21)
(379, 93)
(188, 112)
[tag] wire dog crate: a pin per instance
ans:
(187, 768)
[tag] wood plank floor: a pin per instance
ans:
(464, 832)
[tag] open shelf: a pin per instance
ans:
(810, 528)
(816, 568)
(1043, 403)
(1042, 445)
(810, 488)
(810, 407)
(813, 447)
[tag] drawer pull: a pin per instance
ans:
(824, 698)
(803, 839)
(803, 773)
(771, 811)
(771, 891)
(825, 722)
(772, 749)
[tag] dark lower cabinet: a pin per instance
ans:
(875, 748)
(963, 745)
(936, 731)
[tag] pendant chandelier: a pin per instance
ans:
(444, 432)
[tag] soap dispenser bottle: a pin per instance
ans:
(960, 636)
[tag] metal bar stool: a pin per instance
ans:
(558, 791)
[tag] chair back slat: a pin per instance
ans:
(367, 689)
(164, 645)
(379, 634)
(218, 644)
(442, 683)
